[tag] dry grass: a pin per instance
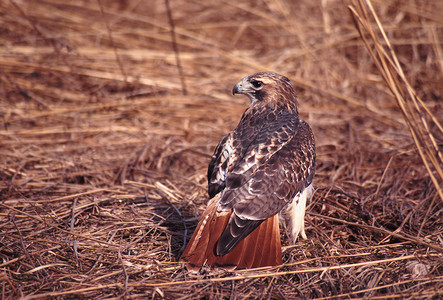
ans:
(103, 158)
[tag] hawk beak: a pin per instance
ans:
(237, 88)
(242, 87)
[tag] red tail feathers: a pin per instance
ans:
(260, 248)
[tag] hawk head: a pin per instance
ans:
(267, 88)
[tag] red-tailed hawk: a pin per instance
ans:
(261, 169)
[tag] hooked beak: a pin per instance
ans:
(237, 88)
(241, 88)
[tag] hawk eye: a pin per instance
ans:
(256, 84)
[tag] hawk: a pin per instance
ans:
(260, 170)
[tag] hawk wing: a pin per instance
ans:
(258, 173)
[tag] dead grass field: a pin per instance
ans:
(105, 141)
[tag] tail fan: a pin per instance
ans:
(260, 248)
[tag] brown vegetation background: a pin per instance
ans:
(106, 136)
